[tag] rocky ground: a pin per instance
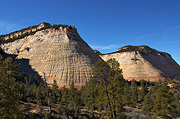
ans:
(33, 111)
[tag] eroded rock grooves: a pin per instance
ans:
(58, 52)
(143, 62)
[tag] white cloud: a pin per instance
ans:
(170, 42)
(2, 24)
(109, 47)
(146, 35)
(173, 28)
(7, 27)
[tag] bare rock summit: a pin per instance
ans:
(143, 62)
(56, 50)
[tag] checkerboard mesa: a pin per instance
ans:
(56, 50)
(143, 62)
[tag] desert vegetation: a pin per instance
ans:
(24, 34)
(141, 49)
(107, 95)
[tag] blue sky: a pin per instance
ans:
(105, 25)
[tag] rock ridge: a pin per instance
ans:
(143, 62)
(141, 49)
(58, 51)
(30, 31)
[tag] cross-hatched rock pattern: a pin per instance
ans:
(58, 52)
(147, 64)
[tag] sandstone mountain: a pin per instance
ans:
(64, 56)
(56, 50)
(143, 62)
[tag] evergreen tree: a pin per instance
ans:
(74, 101)
(39, 96)
(146, 88)
(36, 79)
(30, 79)
(127, 95)
(177, 102)
(163, 102)
(55, 92)
(70, 103)
(110, 88)
(89, 93)
(55, 86)
(21, 90)
(142, 91)
(134, 93)
(63, 105)
(156, 85)
(9, 95)
(148, 102)
(45, 94)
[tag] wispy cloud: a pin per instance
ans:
(6, 27)
(173, 28)
(146, 35)
(157, 33)
(108, 47)
(170, 42)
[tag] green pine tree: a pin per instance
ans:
(134, 93)
(127, 95)
(55, 92)
(148, 102)
(142, 91)
(30, 79)
(89, 93)
(63, 105)
(39, 96)
(110, 88)
(55, 86)
(74, 101)
(9, 94)
(163, 102)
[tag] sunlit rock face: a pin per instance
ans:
(142, 62)
(58, 52)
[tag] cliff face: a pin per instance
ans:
(58, 52)
(144, 63)
(25, 30)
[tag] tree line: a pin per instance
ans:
(23, 35)
(103, 96)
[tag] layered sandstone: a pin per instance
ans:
(25, 31)
(58, 51)
(142, 62)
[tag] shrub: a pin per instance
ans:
(47, 116)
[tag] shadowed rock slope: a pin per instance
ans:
(56, 50)
(143, 62)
